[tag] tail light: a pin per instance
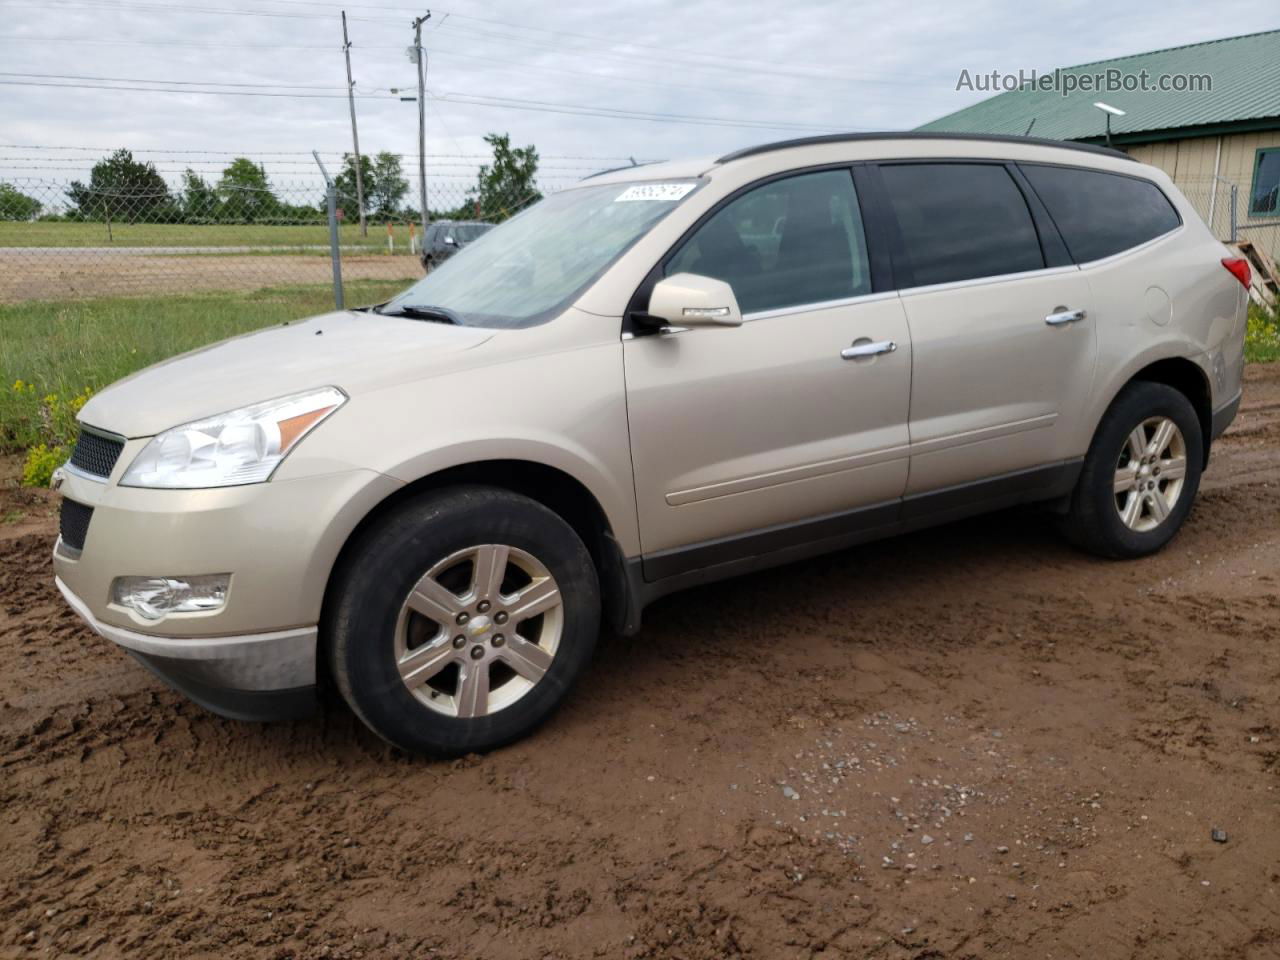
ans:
(1238, 267)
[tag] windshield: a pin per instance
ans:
(520, 272)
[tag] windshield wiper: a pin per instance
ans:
(423, 312)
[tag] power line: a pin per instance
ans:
(167, 8)
(182, 83)
(665, 49)
(588, 110)
(236, 44)
(287, 153)
(470, 99)
(684, 63)
(224, 93)
(663, 53)
(504, 63)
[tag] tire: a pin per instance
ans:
(372, 635)
(1104, 517)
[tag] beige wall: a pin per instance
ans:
(1192, 164)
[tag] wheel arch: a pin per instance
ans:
(1192, 382)
(1182, 374)
(555, 489)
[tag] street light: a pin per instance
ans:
(1108, 109)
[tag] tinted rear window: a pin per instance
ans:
(1100, 214)
(961, 221)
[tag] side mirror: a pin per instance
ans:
(450, 241)
(692, 300)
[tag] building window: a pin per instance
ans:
(1264, 195)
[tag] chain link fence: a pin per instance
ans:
(62, 238)
(1224, 205)
(187, 230)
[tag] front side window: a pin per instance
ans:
(524, 270)
(1101, 214)
(1264, 194)
(783, 244)
(961, 221)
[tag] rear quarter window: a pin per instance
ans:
(1101, 214)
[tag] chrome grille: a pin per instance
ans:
(96, 454)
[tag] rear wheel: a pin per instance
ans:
(462, 620)
(1141, 473)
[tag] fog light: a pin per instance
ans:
(155, 597)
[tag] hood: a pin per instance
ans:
(350, 350)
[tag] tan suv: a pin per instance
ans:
(666, 375)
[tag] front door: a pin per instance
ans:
(751, 439)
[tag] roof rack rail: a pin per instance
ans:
(625, 166)
(918, 135)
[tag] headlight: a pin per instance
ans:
(242, 446)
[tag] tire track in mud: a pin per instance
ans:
(968, 742)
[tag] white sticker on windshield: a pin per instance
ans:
(662, 192)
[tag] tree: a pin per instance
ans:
(16, 205)
(506, 186)
(199, 201)
(245, 192)
(121, 188)
(345, 184)
(389, 185)
(384, 185)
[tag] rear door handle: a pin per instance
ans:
(868, 349)
(1063, 316)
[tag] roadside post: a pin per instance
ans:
(335, 252)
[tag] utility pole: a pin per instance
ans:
(420, 59)
(355, 136)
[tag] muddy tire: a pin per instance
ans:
(1140, 476)
(461, 620)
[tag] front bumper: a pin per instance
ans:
(255, 657)
(262, 676)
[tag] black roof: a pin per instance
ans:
(918, 135)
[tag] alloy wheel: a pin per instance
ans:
(1150, 473)
(479, 630)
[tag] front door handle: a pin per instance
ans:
(869, 349)
(1061, 316)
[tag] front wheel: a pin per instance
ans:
(1140, 475)
(462, 619)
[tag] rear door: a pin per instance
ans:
(1003, 344)
(753, 439)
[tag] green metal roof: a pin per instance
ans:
(1245, 94)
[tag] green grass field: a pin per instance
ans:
(46, 234)
(54, 354)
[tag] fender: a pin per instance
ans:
(1110, 383)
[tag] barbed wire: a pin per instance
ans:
(307, 153)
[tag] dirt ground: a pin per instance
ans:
(57, 273)
(971, 742)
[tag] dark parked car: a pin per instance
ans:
(446, 237)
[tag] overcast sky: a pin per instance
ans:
(799, 67)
